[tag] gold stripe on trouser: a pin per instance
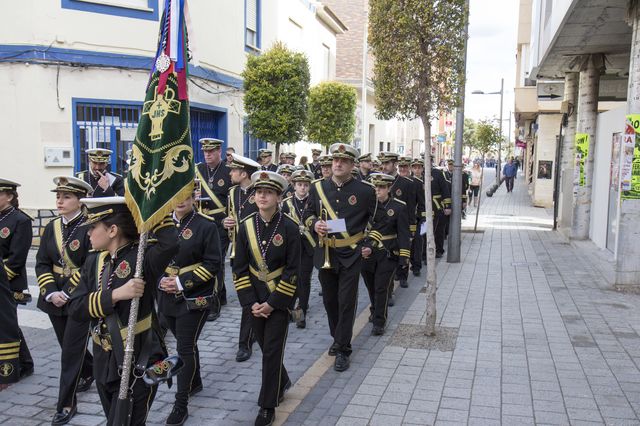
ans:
(284, 342)
(389, 290)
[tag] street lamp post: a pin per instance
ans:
(501, 93)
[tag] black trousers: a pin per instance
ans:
(246, 336)
(271, 334)
(416, 250)
(26, 362)
(509, 182)
(75, 361)
(143, 396)
(439, 230)
(303, 290)
(224, 247)
(186, 328)
(377, 272)
(340, 298)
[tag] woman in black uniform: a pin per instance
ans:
(9, 334)
(104, 297)
(15, 241)
(63, 248)
(185, 295)
(265, 273)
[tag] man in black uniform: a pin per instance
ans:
(314, 167)
(348, 204)
(402, 189)
(15, 241)
(389, 240)
(214, 176)
(441, 199)
(286, 170)
(364, 166)
(241, 203)
(266, 156)
(465, 186)
(10, 334)
(417, 245)
(64, 246)
(326, 162)
(265, 274)
(404, 170)
(297, 208)
(103, 182)
(288, 158)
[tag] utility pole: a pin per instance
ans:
(455, 220)
(365, 126)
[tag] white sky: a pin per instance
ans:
(491, 56)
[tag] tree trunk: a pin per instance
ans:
(430, 326)
(568, 158)
(475, 227)
(587, 118)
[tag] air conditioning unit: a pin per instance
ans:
(58, 157)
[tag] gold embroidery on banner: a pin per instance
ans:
(158, 109)
(149, 183)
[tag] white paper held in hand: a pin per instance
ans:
(336, 225)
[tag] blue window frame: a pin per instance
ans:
(112, 124)
(252, 25)
(251, 145)
(150, 12)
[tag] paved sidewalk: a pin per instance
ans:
(537, 337)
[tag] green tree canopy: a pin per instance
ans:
(276, 88)
(332, 113)
(486, 138)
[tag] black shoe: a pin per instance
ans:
(284, 389)
(266, 416)
(416, 272)
(178, 416)
(403, 284)
(439, 255)
(195, 389)
(213, 316)
(243, 354)
(63, 417)
(84, 384)
(391, 302)
(302, 323)
(26, 372)
(377, 330)
(223, 301)
(333, 349)
(342, 362)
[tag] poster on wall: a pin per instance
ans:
(630, 180)
(545, 169)
(615, 174)
(582, 152)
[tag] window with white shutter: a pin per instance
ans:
(252, 24)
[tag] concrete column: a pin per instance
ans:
(587, 119)
(627, 267)
(567, 156)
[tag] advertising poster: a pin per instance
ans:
(582, 152)
(630, 180)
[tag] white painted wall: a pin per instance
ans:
(545, 24)
(609, 122)
(545, 149)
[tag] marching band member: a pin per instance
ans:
(326, 162)
(265, 273)
(286, 170)
(10, 334)
(266, 156)
(64, 246)
(103, 182)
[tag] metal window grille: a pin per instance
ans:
(204, 124)
(251, 145)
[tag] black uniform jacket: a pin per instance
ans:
(91, 301)
(15, 242)
(277, 284)
(390, 229)
(298, 211)
(215, 185)
(241, 202)
(420, 208)
(440, 190)
(270, 168)
(51, 263)
(116, 184)
(196, 264)
(355, 202)
(404, 189)
(9, 333)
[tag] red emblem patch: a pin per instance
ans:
(123, 270)
(74, 245)
(5, 232)
(353, 200)
(187, 233)
(264, 176)
(342, 149)
(278, 240)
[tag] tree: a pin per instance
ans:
(486, 137)
(332, 113)
(419, 47)
(276, 88)
(469, 132)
